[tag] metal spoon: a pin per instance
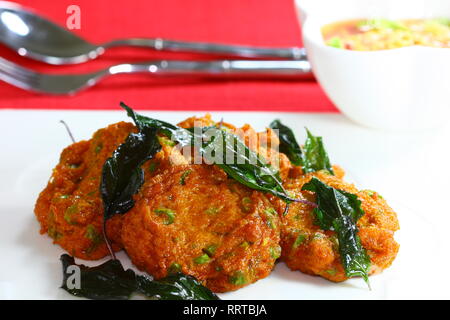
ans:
(36, 37)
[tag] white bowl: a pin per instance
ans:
(406, 88)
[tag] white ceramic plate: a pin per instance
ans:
(30, 269)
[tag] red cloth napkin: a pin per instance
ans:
(252, 22)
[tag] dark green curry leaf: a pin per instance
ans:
(122, 175)
(312, 157)
(288, 143)
(339, 211)
(224, 149)
(315, 157)
(111, 281)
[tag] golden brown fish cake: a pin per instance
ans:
(194, 219)
(307, 248)
(205, 121)
(70, 208)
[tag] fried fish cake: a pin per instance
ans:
(307, 248)
(70, 208)
(194, 219)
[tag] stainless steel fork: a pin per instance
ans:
(71, 83)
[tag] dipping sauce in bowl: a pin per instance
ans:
(382, 34)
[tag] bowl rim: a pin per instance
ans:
(311, 30)
(312, 26)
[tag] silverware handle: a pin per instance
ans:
(211, 48)
(296, 69)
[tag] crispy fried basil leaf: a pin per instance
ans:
(106, 281)
(311, 158)
(288, 143)
(176, 286)
(110, 281)
(235, 158)
(228, 152)
(339, 211)
(315, 157)
(177, 134)
(122, 175)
